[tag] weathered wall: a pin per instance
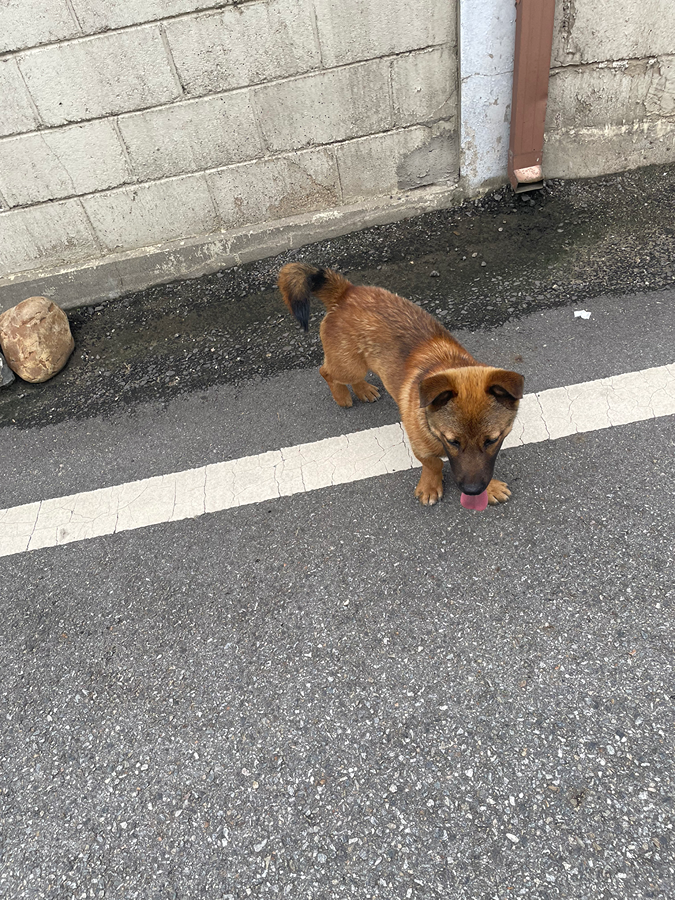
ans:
(127, 124)
(612, 87)
(611, 103)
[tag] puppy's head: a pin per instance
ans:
(470, 411)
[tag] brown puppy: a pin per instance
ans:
(450, 404)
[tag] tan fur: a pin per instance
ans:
(442, 392)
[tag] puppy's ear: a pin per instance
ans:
(437, 390)
(506, 387)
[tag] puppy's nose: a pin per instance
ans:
(473, 489)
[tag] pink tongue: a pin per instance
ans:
(474, 501)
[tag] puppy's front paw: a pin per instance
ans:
(428, 492)
(497, 492)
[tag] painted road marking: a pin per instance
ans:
(548, 415)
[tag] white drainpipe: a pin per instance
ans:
(487, 33)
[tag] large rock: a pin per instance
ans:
(35, 338)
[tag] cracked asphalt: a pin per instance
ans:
(341, 694)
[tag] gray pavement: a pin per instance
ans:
(341, 694)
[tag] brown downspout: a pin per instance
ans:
(534, 40)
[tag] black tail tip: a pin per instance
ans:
(301, 312)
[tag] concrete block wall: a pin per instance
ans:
(127, 125)
(612, 87)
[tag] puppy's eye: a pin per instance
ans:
(453, 443)
(490, 441)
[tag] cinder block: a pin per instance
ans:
(98, 76)
(368, 166)
(590, 152)
(191, 136)
(424, 86)
(598, 30)
(660, 97)
(253, 43)
(102, 15)
(270, 189)
(326, 106)
(133, 217)
(27, 23)
(17, 112)
(595, 96)
(351, 30)
(62, 162)
(43, 236)
(398, 161)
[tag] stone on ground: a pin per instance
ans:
(35, 338)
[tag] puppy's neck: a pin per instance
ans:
(441, 353)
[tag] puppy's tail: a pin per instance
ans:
(298, 281)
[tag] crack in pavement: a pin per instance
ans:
(543, 419)
(32, 534)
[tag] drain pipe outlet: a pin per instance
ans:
(532, 61)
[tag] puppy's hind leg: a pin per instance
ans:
(338, 389)
(343, 365)
(348, 372)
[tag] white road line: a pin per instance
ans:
(548, 415)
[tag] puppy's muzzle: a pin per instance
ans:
(473, 488)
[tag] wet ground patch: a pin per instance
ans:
(474, 267)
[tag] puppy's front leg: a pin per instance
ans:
(429, 488)
(497, 492)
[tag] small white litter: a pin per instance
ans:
(581, 313)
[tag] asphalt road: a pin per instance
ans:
(340, 693)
